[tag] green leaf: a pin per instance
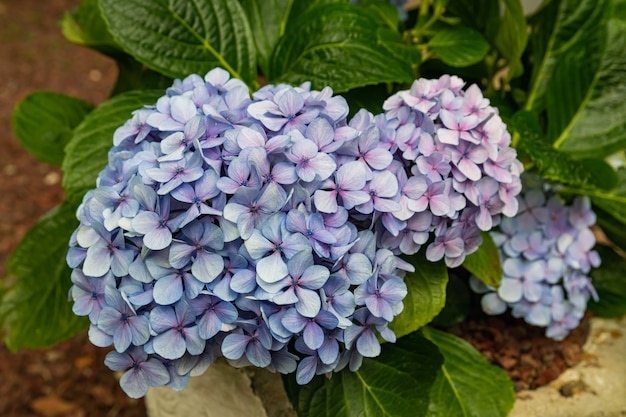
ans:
(467, 385)
(340, 46)
(43, 123)
(555, 165)
(612, 228)
(268, 19)
(180, 37)
(133, 75)
(614, 201)
(459, 46)
(572, 84)
(512, 36)
(85, 26)
(484, 15)
(484, 264)
(609, 280)
(370, 98)
(395, 384)
(34, 310)
(386, 12)
(599, 128)
(562, 27)
(457, 302)
(87, 151)
(426, 296)
(501, 22)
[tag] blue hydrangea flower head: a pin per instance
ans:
(267, 229)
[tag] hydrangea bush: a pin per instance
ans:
(268, 230)
(297, 206)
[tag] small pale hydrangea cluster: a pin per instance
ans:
(547, 254)
(268, 230)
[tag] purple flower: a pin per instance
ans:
(173, 113)
(213, 313)
(118, 319)
(255, 343)
(366, 148)
(250, 207)
(468, 157)
(362, 336)
(383, 189)
(312, 227)
(285, 112)
(449, 243)
(300, 286)
(280, 173)
(177, 331)
(197, 196)
(141, 373)
(270, 244)
(456, 127)
(348, 184)
(310, 164)
(521, 279)
(380, 296)
(312, 328)
(199, 243)
(88, 294)
(108, 253)
(171, 174)
(156, 226)
(312, 364)
(136, 128)
(239, 175)
(434, 197)
(172, 284)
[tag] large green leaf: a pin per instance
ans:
(599, 127)
(484, 264)
(483, 15)
(459, 46)
(562, 27)
(34, 310)
(610, 282)
(181, 37)
(467, 384)
(512, 35)
(396, 384)
(501, 22)
(572, 84)
(556, 165)
(86, 153)
(385, 10)
(268, 19)
(614, 201)
(85, 26)
(43, 123)
(426, 296)
(340, 46)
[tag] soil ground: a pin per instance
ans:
(70, 379)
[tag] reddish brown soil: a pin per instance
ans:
(70, 379)
(530, 359)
